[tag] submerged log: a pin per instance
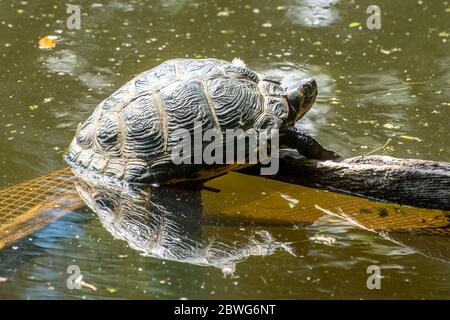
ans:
(419, 183)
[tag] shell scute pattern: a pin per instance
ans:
(155, 79)
(86, 131)
(115, 168)
(278, 107)
(198, 69)
(236, 103)
(119, 98)
(130, 134)
(237, 71)
(75, 150)
(271, 78)
(143, 134)
(98, 163)
(107, 134)
(273, 89)
(134, 169)
(85, 157)
(185, 105)
(267, 122)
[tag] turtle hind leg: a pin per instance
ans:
(306, 145)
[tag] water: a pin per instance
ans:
(373, 85)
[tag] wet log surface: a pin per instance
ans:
(419, 183)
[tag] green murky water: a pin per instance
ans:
(373, 85)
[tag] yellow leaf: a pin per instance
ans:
(48, 42)
(354, 24)
(33, 107)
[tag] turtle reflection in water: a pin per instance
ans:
(167, 223)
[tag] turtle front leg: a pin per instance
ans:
(306, 145)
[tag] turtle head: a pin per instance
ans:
(301, 97)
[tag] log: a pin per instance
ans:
(419, 183)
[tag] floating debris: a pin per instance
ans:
(48, 42)
(88, 285)
(326, 240)
(391, 126)
(227, 31)
(3, 279)
(388, 52)
(292, 201)
(225, 13)
(410, 138)
(354, 24)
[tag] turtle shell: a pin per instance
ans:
(131, 134)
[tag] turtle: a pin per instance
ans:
(130, 135)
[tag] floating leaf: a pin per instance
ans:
(33, 107)
(354, 24)
(111, 290)
(443, 34)
(48, 42)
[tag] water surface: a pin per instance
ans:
(374, 85)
